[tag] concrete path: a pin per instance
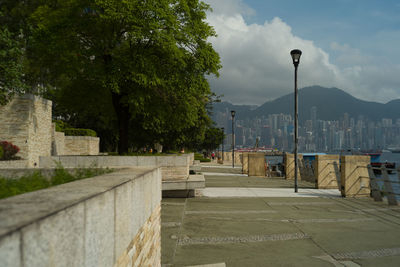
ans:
(258, 225)
(265, 192)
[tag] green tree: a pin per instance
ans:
(11, 65)
(213, 139)
(148, 58)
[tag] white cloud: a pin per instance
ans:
(257, 66)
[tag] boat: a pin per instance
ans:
(390, 166)
(376, 161)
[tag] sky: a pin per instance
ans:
(348, 44)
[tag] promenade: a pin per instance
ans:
(251, 221)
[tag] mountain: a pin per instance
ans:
(331, 104)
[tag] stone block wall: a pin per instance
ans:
(16, 164)
(172, 167)
(58, 144)
(228, 157)
(245, 162)
(354, 176)
(289, 166)
(327, 172)
(81, 145)
(145, 246)
(256, 164)
(26, 122)
(108, 220)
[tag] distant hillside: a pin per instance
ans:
(331, 104)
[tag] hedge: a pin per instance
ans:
(79, 132)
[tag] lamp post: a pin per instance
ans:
(296, 53)
(223, 139)
(233, 137)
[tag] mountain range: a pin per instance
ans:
(331, 104)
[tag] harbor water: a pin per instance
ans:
(392, 157)
(385, 157)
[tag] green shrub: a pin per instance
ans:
(198, 156)
(79, 132)
(61, 125)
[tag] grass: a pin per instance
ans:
(36, 181)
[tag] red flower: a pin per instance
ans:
(9, 150)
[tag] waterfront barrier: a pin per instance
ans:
(354, 180)
(327, 172)
(386, 189)
(256, 164)
(289, 166)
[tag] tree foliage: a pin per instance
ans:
(11, 65)
(136, 67)
(213, 139)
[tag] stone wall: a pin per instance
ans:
(354, 176)
(81, 145)
(256, 164)
(26, 122)
(327, 172)
(228, 157)
(108, 220)
(145, 246)
(289, 166)
(58, 144)
(174, 167)
(245, 162)
(15, 164)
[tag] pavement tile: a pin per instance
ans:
(279, 231)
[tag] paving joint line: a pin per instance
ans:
(180, 230)
(243, 239)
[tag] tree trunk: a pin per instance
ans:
(123, 117)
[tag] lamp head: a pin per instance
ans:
(296, 53)
(233, 113)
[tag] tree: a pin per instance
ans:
(11, 65)
(149, 58)
(213, 139)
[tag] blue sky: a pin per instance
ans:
(371, 26)
(349, 44)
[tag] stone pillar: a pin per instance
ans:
(354, 176)
(256, 164)
(238, 158)
(289, 166)
(26, 122)
(327, 172)
(245, 162)
(228, 156)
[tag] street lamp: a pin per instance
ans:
(296, 53)
(233, 138)
(223, 139)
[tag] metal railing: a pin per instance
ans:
(386, 190)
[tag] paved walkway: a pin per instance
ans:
(278, 228)
(265, 192)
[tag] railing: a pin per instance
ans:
(307, 171)
(387, 190)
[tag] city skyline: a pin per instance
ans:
(348, 44)
(275, 131)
